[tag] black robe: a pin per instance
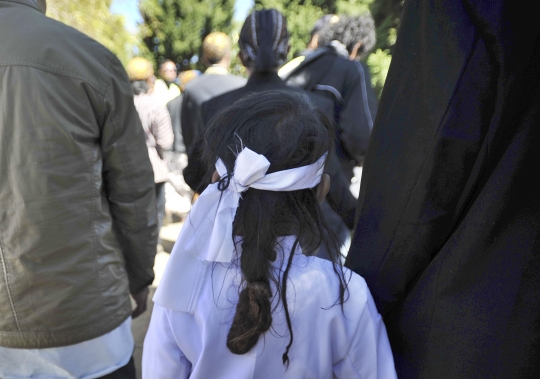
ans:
(448, 226)
(348, 84)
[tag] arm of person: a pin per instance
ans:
(340, 197)
(129, 180)
(369, 355)
(356, 118)
(162, 358)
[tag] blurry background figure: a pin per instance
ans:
(216, 80)
(165, 88)
(156, 122)
(264, 44)
(334, 70)
(175, 106)
(178, 194)
(320, 24)
(312, 45)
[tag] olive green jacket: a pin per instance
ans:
(77, 207)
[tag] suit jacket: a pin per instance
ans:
(449, 212)
(195, 94)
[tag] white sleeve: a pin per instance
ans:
(162, 358)
(369, 355)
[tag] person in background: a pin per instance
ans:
(267, 30)
(165, 87)
(216, 80)
(448, 235)
(77, 209)
(238, 298)
(156, 122)
(175, 107)
(320, 24)
(334, 70)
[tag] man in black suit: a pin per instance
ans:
(215, 81)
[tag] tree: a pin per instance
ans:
(175, 29)
(104, 27)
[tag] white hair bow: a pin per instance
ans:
(207, 234)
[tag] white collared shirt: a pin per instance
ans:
(86, 360)
(328, 342)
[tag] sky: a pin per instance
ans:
(129, 9)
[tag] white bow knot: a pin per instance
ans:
(207, 234)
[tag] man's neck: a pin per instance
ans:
(216, 69)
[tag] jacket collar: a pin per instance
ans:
(30, 3)
(259, 78)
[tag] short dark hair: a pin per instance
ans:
(350, 30)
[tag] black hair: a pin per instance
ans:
(139, 86)
(350, 30)
(264, 40)
(285, 128)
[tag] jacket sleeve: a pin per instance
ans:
(356, 118)
(128, 180)
(163, 132)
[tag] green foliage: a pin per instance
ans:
(175, 29)
(379, 63)
(93, 18)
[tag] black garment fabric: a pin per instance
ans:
(448, 226)
(339, 196)
(348, 84)
(195, 94)
(174, 107)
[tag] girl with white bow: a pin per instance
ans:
(241, 296)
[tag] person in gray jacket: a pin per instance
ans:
(77, 204)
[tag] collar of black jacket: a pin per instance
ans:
(30, 3)
(258, 78)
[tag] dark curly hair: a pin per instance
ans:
(285, 128)
(350, 30)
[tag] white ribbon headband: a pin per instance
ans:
(207, 234)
